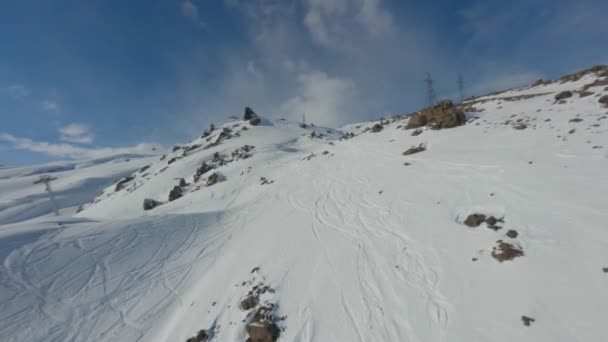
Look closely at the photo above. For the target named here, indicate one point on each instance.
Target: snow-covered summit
(489, 231)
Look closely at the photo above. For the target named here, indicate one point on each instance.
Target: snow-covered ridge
(490, 231)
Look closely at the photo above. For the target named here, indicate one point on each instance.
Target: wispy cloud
(323, 99)
(17, 91)
(50, 106)
(329, 21)
(190, 11)
(76, 133)
(75, 152)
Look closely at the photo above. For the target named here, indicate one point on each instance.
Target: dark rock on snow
(415, 149)
(506, 251)
(202, 336)
(563, 95)
(474, 220)
(175, 193)
(249, 114)
(377, 128)
(512, 234)
(213, 179)
(123, 183)
(527, 320)
(443, 115)
(150, 204)
(248, 302)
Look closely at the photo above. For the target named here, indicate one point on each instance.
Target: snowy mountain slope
(358, 243)
(75, 184)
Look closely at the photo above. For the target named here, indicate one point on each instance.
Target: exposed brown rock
(600, 70)
(262, 327)
(505, 251)
(474, 220)
(585, 93)
(575, 120)
(443, 115)
(248, 302)
(604, 100)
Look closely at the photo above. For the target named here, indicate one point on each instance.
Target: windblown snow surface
(359, 243)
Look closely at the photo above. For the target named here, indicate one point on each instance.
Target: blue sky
(82, 79)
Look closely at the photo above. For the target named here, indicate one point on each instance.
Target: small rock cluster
(476, 219)
(443, 115)
(505, 251)
(262, 323)
(123, 183)
(415, 149)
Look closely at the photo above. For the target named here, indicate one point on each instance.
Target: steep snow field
(359, 243)
(76, 183)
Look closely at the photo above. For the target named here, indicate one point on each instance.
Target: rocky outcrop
(252, 117)
(604, 100)
(563, 95)
(150, 204)
(377, 128)
(443, 115)
(415, 149)
(175, 193)
(505, 251)
(202, 336)
(123, 183)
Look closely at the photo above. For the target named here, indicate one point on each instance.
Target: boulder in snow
(443, 115)
(415, 149)
(505, 251)
(563, 95)
(175, 193)
(150, 204)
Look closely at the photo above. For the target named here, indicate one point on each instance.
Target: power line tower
(430, 90)
(461, 87)
(47, 182)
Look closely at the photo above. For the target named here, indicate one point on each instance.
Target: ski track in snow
(340, 204)
(357, 246)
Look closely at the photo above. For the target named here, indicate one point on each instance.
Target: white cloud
(330, 21)
(76, 133)
(190, 11)
(75, 152)
(50, 106)
(324, 100)
(18, 91)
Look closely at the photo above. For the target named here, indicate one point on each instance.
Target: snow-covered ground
(357, 241)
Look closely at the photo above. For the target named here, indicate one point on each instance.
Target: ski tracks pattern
(383, 253)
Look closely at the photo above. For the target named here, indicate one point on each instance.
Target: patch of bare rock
(443, 115)
(476, 219)
(527, 320)
(563, 95)
(414, 149)
(504, 251)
